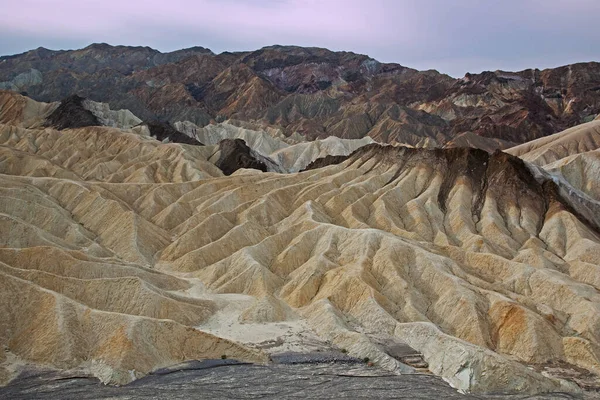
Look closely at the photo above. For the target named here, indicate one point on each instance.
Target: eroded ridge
(120, 247)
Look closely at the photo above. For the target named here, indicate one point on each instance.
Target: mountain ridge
(315, 92)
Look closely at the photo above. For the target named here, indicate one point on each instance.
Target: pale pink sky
(452, 36)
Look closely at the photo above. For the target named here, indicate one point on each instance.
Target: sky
(451, 36)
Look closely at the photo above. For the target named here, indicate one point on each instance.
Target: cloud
(452, 36)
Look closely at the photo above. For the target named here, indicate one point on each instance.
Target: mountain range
(315, 93)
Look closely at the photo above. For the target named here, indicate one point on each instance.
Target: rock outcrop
(123, 119)
(71, 113)
(580, 139)
(164, 132)
(19, 110)
(234, 154)
(571, 158)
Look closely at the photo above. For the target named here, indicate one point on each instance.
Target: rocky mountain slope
(126, 254)
(315, 93)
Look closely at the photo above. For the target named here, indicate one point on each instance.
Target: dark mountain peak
(194, 50)
(39, 53)
(236, 154)
(278, 56)
(71, 114)
(99, 46)
(491, 77)
(310, 51)
(117, 50)
(163, 130)
(579, 66)
(43, 51)
(106, 47)
(290, 48)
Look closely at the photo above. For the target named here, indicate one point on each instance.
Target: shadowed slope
(72, 114)
(165, 132)
(235, 154)
(571, 156)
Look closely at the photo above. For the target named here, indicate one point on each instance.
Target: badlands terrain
(130, 244)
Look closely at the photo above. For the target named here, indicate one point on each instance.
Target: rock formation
(72, 114)
(288, 154)
(235, 154)
(315, 93)
(578, 140)
(126, 254)
(123, 119)
(18, 110)
(572, 156)
(163, 131)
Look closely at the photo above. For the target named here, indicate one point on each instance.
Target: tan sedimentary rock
(572, 155)
(123, 119)
(22, 111)
(290, 157)
(267, 309)
(50, 328)
(462, 255)
(571, 142)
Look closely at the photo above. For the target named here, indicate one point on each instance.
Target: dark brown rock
(71, 114)
(163, 130)
(325, 161)
(235, 154)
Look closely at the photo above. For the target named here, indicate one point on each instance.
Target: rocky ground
(306, 377)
